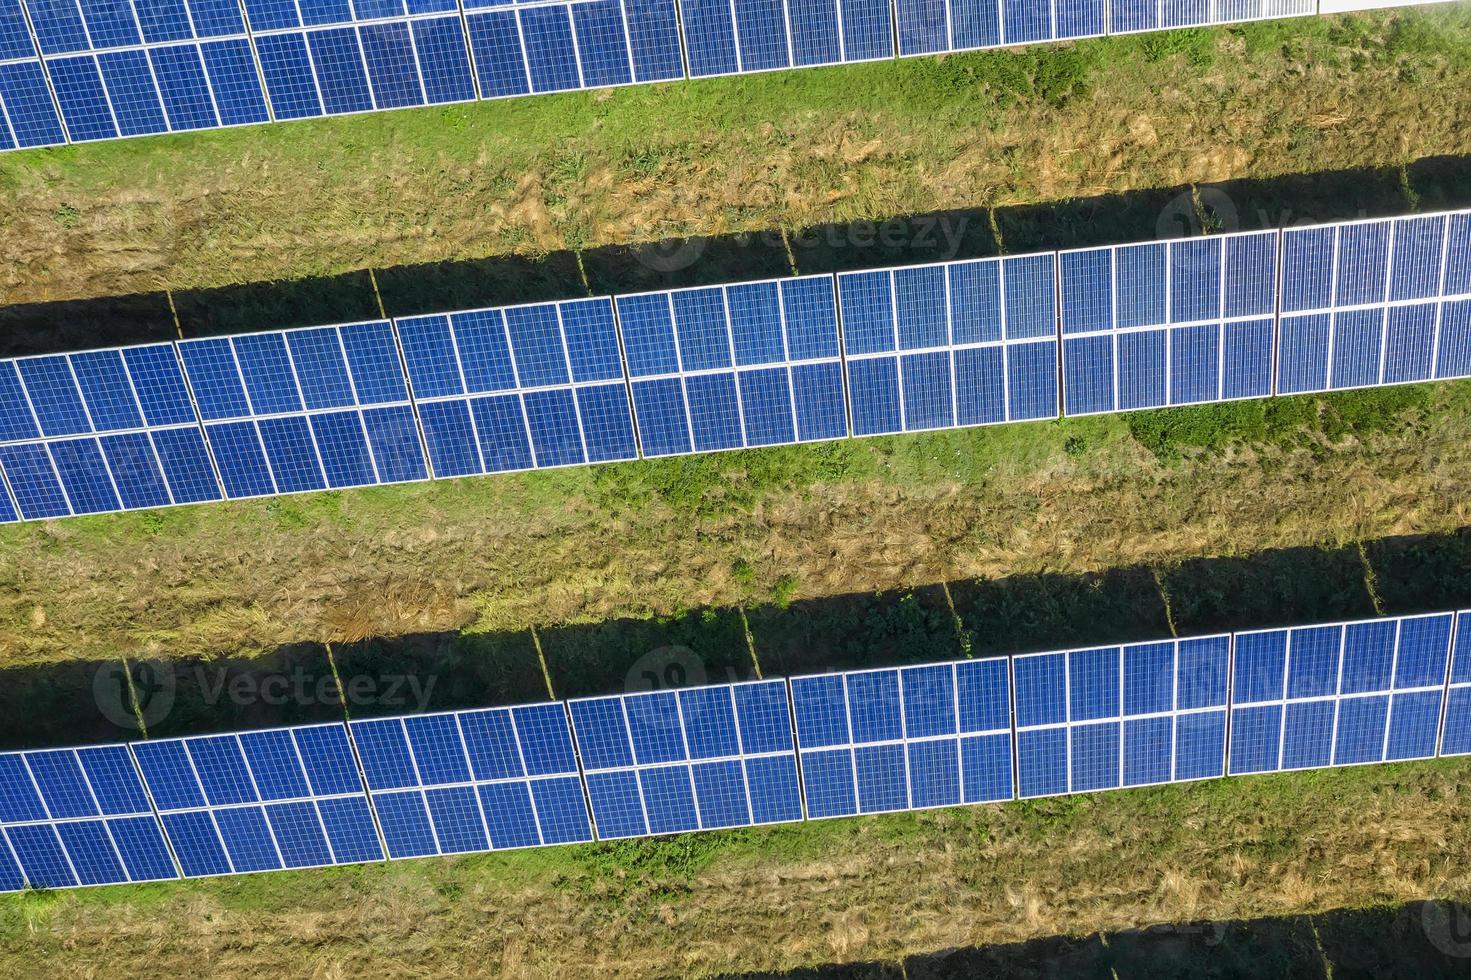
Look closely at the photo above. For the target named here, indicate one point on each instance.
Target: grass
(787, 150)
(779, 898)
(1044, 531)
(655, 538)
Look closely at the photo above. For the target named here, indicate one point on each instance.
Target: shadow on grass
(82, 702)
(1418, 939)
(1435, 183)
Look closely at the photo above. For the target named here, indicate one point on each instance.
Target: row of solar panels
(810, 358)
(73, 71)
(736, 755)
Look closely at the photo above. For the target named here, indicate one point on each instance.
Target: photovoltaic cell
(123, 433)
(728, 367)
(940, 346)
(1168, 323)
(260, 801)
(698, 758)
(458, 782)
(75, 817)
(1121, 716)
(1375, 303)
(519, 388)
(734, 366)
(306, 409)
(1338, 695)
(904, 738)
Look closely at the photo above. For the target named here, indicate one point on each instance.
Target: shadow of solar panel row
(74, 71)
(739, 755)
(775, 362)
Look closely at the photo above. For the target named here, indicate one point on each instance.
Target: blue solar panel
(700, 758)
(904, 738)
(259, 801)
(940, 346)
(1339, 695)
(497, 779)
(163, 66)
(1168, 323)
(1374, 303)
(519, 388)
(759, 35)
(1455, 738)
(73, 817)
(744, 365)
(729, 367)
(251, 391)
(1121, 716)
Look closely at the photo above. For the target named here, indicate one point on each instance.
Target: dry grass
(779, 898)
(781, 151)
(503, 554)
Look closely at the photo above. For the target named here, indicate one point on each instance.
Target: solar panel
(699, 758)
(744, 36)
(308, 409)
(126, 70)
(1134, 16)
(1168, 323)
(107, 70)
(904, 738)
(522, 49)
(1130, 715)
(457, 782)
(940, 346)
(260, 801)
(1370, 303)
(100, 431)
(1455, 738)
(28, 114)
(519, 388)
(727, 367)
(1336, 695)
(75, 817)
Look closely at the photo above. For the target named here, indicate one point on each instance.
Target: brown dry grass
(587, 546)
(783, 151)
(775, 899)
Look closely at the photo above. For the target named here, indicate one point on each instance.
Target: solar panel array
(701, 758)
(452, 783)
(1168, 323)
(739, 755)
(260, 801)
(1375, 303)
(74, 71)
(776, 362)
